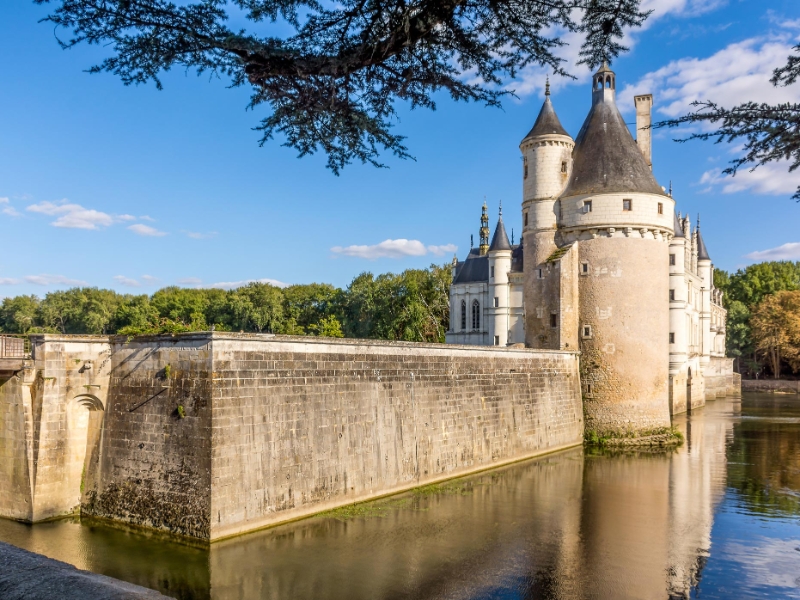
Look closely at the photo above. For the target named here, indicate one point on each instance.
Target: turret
(705, 273)
(678, 332)
(499, 268)
(621, 222)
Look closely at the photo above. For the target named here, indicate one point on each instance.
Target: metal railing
(12, 346)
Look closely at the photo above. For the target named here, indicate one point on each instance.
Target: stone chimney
(644, 106)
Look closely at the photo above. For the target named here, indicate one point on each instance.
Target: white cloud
(8, 281)
(772, 179)
(126, 218)
(738, 73)
(442, 250)
(126, 281)
(790, 251)
(146, 230)
(190, 281)
(72, 216)
(52, 280)
(393, 249)
(147, 218)
(680, 8)
(8, 209)
(229, 285)
(196, 235)
(149, 279)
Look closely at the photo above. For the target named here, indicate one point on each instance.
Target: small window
(588, 389)
(492, 272)
(497, 340)
(463, 315)
(627, 205)
(553, 320)
(526, 172)
(584, 268)
(672, 260)
(526, 219)
(564, 166)
(587, 206)
(496, 302)
(539, 274)
(587, 331)
(661, 208)
(671, 338)
(476, 314)
(672, 295)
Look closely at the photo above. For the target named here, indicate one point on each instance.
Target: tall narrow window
(496, 302)
(526, 171)
(539, 274)
(492, 272)
(672, 260)
(627, 205)
(564, 166)
(671, 338)
(584, 268)
(672, 295)
(463, 315)
(553, 320)
(476, 315)
(526, 219)
(661, 208)
(497, 340)
(587, 206)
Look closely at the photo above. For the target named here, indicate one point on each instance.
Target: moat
(718, 517)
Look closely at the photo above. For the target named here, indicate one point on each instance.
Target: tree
(257, 307)
(776, 330)
(332, 81)
(766, 132)
(18, 315)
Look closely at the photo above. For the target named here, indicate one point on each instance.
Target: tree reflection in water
(715, 518)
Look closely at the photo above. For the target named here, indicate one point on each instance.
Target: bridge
(14, 351)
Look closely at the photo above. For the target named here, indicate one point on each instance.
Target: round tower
(706, 273)
(499, 290)
(547, 165)
(622, 221)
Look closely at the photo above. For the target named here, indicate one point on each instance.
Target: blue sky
(133, 188)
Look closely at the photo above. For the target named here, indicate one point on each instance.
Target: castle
(604, 266)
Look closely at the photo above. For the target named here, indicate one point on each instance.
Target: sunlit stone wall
(304, 424)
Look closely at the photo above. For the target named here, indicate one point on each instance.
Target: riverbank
(28, 576)
(775, 386)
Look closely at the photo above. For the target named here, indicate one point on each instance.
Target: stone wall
(155, 460)
(16, 501)
(301, 424)
(719, 379)
(780, 386)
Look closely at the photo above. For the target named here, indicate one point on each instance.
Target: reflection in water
(716, 518)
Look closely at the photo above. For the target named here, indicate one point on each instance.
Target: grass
(671, 434)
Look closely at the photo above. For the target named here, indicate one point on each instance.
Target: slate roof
(500, 237)
(676, 225)
(547, 122)
(606, 158)
(702, 251)
(474, 269)
(517, 258)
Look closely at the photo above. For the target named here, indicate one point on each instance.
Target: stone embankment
(779, 386)
(28, 576)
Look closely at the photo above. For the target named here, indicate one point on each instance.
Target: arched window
(476, 315)
(463, 315)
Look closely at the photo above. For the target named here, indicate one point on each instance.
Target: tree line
(763, 329)
(410, 306)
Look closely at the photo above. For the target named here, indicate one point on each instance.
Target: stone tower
(621, 221)
(547, 165)
(499, 315)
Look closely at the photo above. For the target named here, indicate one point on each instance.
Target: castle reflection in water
(570, 525)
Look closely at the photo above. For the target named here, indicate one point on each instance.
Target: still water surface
(717, 518)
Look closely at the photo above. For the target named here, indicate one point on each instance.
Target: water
(717, 518)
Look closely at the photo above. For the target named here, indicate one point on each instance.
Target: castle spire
(484, 231)
(547, 86)
(547, 122)
(500, 237)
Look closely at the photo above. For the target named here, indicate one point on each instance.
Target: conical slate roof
(677, 227)
(702, 251)
(547, 122)
(606, 158)
(500, 238)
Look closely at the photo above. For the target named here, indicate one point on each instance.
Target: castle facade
(606, 266)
